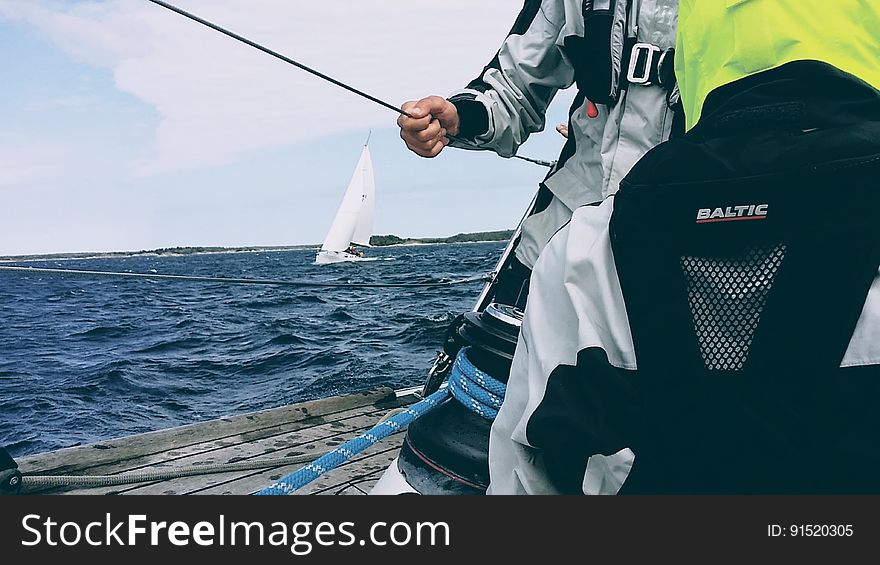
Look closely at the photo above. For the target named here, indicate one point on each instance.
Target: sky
(127, 127)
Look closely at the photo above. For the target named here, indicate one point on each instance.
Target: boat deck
(289, 431)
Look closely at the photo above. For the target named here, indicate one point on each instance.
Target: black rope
(278, 55)
(536, 161)
(229, 280)
(319, 74)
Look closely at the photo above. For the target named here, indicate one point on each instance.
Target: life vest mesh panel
(727, 296)
(740, 324)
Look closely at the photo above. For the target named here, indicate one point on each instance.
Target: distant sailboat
(353, 223)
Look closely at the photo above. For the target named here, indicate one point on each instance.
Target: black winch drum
(446, 451)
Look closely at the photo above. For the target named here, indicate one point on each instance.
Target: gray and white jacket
(669, 348)
(544, 54)
(576, 305)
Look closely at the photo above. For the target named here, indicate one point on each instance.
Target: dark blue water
(85, 359)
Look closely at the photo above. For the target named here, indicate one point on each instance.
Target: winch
(446, 450)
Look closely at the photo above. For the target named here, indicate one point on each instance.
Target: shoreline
(131, 254)
(153, 253)
(420, 243)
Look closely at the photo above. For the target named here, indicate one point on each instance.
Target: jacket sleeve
(507, 102)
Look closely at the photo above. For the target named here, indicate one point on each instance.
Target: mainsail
(354, 218)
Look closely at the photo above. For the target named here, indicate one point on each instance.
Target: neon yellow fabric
(721, 41)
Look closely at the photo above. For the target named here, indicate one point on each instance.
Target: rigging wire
(277, 55)
(230, 280)
(541, 162)
(318, 74)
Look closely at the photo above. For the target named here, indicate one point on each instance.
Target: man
(670, 347)
(618, 53)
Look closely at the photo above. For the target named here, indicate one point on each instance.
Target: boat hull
(329, 257)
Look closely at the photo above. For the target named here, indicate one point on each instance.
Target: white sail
(364, 228)
(354, 218)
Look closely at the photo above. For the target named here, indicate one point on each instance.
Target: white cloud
(25, 162)
(218, 99)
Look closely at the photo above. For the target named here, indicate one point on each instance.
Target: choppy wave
(84, 360)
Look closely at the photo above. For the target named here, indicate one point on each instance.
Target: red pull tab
(592, 110)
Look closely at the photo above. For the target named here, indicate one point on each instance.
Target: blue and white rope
(331, 460)
(474, 388)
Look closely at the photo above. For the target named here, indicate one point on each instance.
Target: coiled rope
(229, 280)
(469, 385)
(479, 391)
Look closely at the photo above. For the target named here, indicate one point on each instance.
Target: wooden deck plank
(373, 460)
(369, 468)
(315, 426)
(72, 459)
(316, 440)
(362, 487)
(179, 457)
(299, 441)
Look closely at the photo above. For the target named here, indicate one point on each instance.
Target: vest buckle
(641, 63)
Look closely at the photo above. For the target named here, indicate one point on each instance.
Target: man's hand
(432, 118)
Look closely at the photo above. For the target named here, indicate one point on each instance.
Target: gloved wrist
(473, 117)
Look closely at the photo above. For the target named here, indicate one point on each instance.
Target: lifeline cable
(230, 280)
(318, 74)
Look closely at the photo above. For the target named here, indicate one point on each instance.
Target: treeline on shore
(160, 251)
(383, 240)
(376, 241)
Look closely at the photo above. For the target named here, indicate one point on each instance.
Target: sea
(85, 359)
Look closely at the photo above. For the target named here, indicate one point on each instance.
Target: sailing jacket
(744, 37)
(553, 45)
(714, 327)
